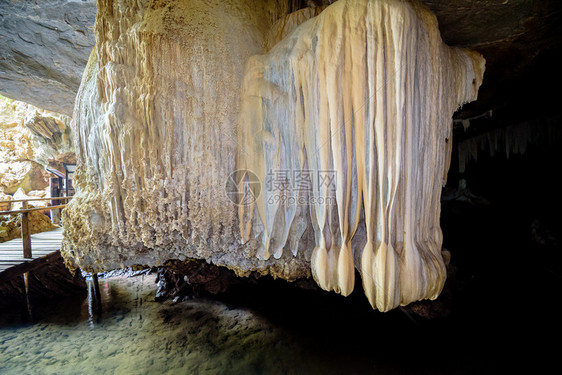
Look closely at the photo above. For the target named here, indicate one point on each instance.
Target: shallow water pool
(136, 335)
(261, 329)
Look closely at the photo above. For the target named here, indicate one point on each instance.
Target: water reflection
(94, 305)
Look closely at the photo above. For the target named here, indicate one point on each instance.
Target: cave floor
(265, 328)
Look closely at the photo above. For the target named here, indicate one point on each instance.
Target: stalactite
(365, 90)
(353, 103)
(511, 140)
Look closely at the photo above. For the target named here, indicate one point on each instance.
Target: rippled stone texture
(45, 46)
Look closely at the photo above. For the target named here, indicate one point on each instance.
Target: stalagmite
(343, 114)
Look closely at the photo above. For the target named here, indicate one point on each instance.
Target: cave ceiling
(45, 46)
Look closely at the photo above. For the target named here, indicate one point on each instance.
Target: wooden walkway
(42, 244)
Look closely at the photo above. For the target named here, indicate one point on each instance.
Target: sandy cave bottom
(272, 329)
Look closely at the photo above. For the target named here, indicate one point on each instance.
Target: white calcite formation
(354, 101)
(155, 130)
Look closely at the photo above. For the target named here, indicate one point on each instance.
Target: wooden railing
(24, 211)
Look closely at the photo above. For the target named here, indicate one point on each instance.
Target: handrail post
(55, 213)
(25, 237)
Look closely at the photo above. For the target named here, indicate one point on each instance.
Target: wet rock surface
(181, 280)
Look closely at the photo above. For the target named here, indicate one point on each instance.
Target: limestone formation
(27, 175)
(29, 139)
(178, 95)
(155, 129)
(6, 206)
(366, 91)
(52, 135)
(20, 195)
(10, 226)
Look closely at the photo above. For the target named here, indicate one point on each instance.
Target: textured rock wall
(30, 139)
(45, 46)
(156, 135)
(176, 96)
